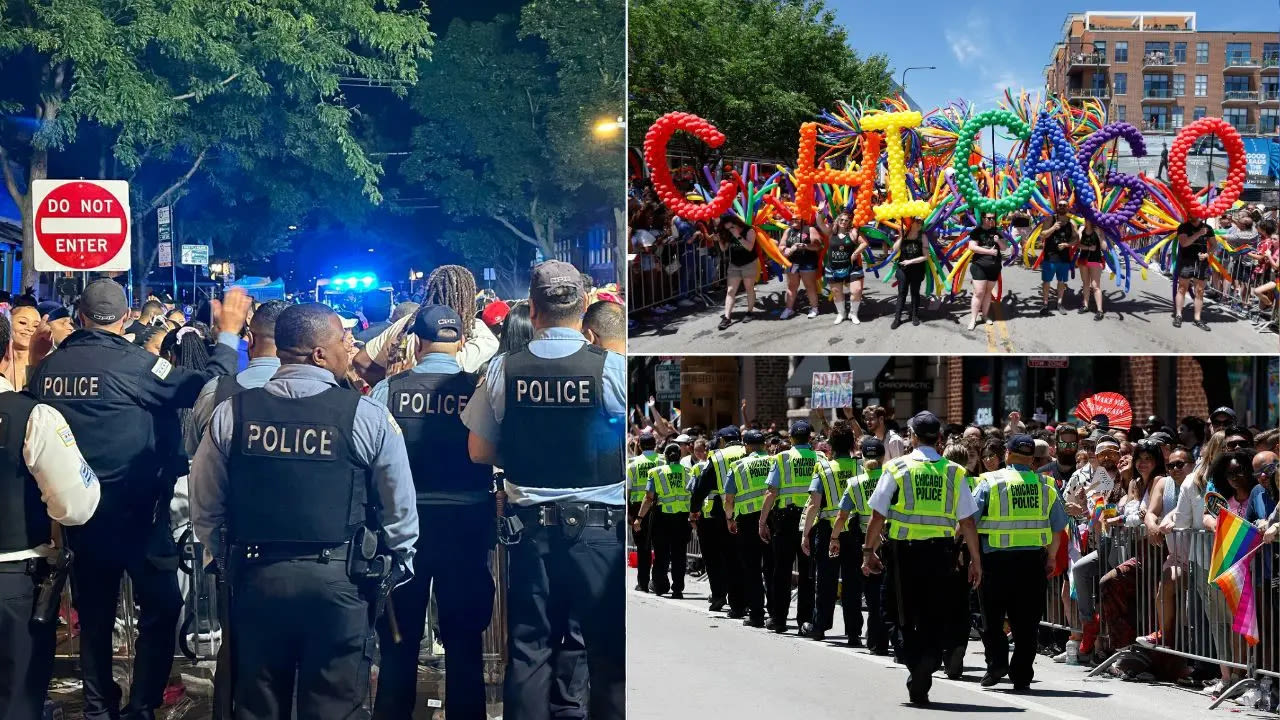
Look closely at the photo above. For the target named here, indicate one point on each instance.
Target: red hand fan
(1113, 405)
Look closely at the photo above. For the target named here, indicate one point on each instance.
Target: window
(1176, 117)
(1180, 53)
(1156, 118)
(1202, 86)
(1268, 120)
(1179, 85)
(1235, 83)
(1237, 117)
(1122, 113)
(1100, 49)
(1156, 53)
(1270, 88)
(1202, 53)
(1122, 51)
(1122, 83)
(1270, 53)
(1198, 113)
(1156, 86)
(1238, 53)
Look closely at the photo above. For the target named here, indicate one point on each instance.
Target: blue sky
(982, 46)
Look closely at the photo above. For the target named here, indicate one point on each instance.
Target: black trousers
(453, 555)
(26, 648)
(829, 572)
(914, 572)
(751, 555)
(300, 626)
(558, 568)
(785, 545)
(115, 542)
(1013, 587)
(720, 559)
(910, 278)
(670, 550)
(644, 542)
(570, 687)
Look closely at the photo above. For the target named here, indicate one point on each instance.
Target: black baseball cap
(556, 282)
(801, 427)
(925, 425)
(728, 433)
(1224, 410)
(1021, 444)
(753, 437)
(872, 448)
(1161, 438)
(438, 323)
(103, 302)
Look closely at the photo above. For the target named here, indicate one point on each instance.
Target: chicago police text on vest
(1025, 496)
(928, 487)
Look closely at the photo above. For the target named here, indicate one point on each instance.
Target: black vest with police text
(24, 519)
(554, 431)
(293, 473)
(225, 388)
(428, 407)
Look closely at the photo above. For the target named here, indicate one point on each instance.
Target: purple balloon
(1137, 189)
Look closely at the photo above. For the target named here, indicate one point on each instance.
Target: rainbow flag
(1237, 585)
(1234, 540)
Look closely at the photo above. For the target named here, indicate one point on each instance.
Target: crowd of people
(337, 474)
(831, 262)
(962, 527)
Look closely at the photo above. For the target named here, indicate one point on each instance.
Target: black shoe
(806, 629)
(919, 699)
(1099, 315)
(736, 614)
(1044, 311)
(882, 652)
(1021, 687)
(653, 588)
(897, 323)
(753, 622)
(856, 642)
(915, 321)
(775, 626)
(724, 322)
(748, 317)
(716, 605)
(953, 663)
(1202, 325)
(1084, 309)
(642, 588)
(1177, 321)
(677, 595)
(818, 635)
(980, 321)
(991, 678)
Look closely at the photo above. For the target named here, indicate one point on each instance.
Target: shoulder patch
(67, 437)
(87, 475)
(395, 426)
(162, 368)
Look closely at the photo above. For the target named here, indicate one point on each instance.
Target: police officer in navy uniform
(553, 416)
(43, 478)
(111, 393)
(457, 522)
(299, 474)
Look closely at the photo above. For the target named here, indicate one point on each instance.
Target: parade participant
(987, 245)
(46, 479)
(922, 497)
(638, 469)
(788, 485)
(667, 487)
(1059, 239)
(855, 504)
(572, 503)
(112, 393)
(912, 256)
(1192, 266)
(801, 244)
(605, 326)
(744, 492)
(827, 487)
(842, 267)
(456, 526)
(875, 421)
(724, 571)
(339, 470)
(739, 242)
(151, 310)
(1091, 269)
(1019, 516)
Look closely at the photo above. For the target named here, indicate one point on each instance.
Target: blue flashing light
(367, 280)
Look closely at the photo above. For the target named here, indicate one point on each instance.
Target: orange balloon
(808, 176)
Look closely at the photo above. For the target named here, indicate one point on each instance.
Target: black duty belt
(576, 514)
(275, 552)
(25, 566)
(948, 541)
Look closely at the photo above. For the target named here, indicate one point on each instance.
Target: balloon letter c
(655, 156)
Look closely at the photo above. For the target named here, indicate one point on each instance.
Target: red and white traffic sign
(81, 224)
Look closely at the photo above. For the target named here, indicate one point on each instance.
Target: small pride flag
(1233, 543)
(1237, 586)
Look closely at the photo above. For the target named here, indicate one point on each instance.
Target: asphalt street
(684, 661)
(1139, 322)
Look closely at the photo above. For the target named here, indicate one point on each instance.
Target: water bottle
(1264, 695)
(1073, 652)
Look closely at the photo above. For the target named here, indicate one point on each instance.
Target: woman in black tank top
(912, 258)
(801, 244)
(1091, 267)
(842, 265)
(738, 244)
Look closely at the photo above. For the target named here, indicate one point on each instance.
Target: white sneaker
(813, 313)
(787, 313)
(839, 318)
(1215, 688)
(853, 312)
(973, 322)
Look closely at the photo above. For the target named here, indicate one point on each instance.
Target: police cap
(872, 448)
(103, 302)
(728, 433)
(753, 437)
(438, 323)
(1021, 444)
(801, 427)
(925, 425)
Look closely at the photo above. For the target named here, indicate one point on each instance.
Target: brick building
(1158, 71)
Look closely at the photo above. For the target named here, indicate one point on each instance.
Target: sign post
(195, 255)
(81, 225)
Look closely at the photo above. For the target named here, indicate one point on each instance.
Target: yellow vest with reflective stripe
(723, 461)
(1017, 512)
(835, 474)
(638, 473)
(696, 472)
(795, 472)
(671, 484)
(749, 475)
(859, 489)
(925, 506)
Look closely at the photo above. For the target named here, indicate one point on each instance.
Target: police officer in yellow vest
(1019, 520)
(667, 487)
(743, 498)
(844, 544)
(724, 572)
(825, 491)
(788, 489)
(637, 477)
(922, 496)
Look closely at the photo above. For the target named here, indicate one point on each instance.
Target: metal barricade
(679, 272)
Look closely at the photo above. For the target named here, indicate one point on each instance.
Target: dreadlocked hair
(187, 347)
(451, 285)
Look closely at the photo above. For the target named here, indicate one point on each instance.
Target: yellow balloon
(901, 205)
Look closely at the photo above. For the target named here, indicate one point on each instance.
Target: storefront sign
(666, 379)
(1060, 362)
(891, 385)
(832, 390)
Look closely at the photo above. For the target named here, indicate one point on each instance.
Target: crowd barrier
(1236, 298)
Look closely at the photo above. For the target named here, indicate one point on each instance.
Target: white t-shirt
(475, 351)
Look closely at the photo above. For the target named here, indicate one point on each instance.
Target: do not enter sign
(81, 224)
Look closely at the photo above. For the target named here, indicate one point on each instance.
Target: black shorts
(983, 271)
(1194, 271)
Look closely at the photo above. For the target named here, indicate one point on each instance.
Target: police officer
(638, 469)
(922, 496)
(855, 503)
(826, 489)
(1019, 516)
(788, 484)
(112, 393)
(311, 484)
(43, 478)
(744, 492)
(714, 538)
(724, 570)
(667, 487)
(571, 501)
(457, 521)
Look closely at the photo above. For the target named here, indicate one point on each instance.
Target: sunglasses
(1237, 444)
(989, 217)
(1267, 470)
(1177, 464)
(1062, 444)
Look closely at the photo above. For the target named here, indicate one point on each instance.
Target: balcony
(1235, 97)
(1088, 93)
(1158, 95)
(1158, 126)
(1270, 96)
(1245, 128)
(1084, 61)
(1270, 64)
(1240, 64)
(1161, 60)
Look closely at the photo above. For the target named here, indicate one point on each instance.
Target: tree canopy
(757, 70)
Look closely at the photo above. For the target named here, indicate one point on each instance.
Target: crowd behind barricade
(166, 438)
(1127, 589)
(680, 264)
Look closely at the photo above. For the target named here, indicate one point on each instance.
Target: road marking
(1015, 700)
(1003, 328)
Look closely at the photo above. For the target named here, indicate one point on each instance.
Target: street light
(903, 84)
(607, 128)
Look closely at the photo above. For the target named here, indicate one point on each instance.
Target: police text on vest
(429, 403)
(554, 392)
(71, 387)
(928, 488)
(312, 442)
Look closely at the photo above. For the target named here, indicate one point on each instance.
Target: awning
(865, 369)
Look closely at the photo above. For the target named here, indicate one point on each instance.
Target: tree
(757, 70)
(176, 90)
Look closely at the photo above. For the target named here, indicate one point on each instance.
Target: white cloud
(962, 47)
(1005, 81)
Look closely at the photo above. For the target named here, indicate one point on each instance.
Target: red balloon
(1234, 184)
(655, 156)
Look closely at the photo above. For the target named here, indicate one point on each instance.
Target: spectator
(605, 325)
(376, 308)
